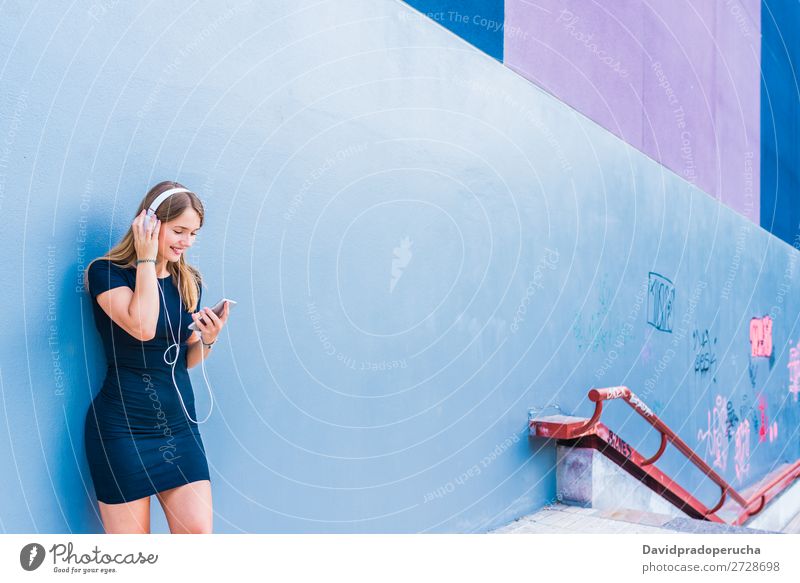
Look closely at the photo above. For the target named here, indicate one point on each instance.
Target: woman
(141, 430)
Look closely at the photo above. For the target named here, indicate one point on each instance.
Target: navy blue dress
(138, 439)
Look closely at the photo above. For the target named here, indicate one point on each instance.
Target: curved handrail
(598, 396)
(661, 448)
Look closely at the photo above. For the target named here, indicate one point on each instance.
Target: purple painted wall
(677, 80)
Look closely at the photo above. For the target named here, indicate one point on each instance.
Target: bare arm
(135, 311)
(193, 352)
(143, 307)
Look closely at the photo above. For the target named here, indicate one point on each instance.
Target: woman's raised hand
(145, 240)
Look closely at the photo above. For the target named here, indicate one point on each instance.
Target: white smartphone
(217, 309)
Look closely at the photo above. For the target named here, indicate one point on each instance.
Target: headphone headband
(162, 197)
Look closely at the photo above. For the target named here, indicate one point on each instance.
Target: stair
(771, 504)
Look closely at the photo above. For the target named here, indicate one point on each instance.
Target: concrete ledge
(563, 519)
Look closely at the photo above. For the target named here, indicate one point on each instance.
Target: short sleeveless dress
(138, 439)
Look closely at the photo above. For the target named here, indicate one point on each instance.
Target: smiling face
(177, 235)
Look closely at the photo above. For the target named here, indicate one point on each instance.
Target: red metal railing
(761, 496)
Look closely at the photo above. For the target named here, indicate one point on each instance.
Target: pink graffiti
(794, 370)
(761, 336)
(766, 429)
(741, 455)
(715, 436)
(762, 429)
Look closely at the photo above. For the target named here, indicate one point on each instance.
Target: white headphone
(151, 212)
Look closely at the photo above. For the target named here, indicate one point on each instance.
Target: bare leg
(188, 508)
(126, 518)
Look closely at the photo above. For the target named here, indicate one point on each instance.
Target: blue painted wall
(480, 22)
(780, 119)
(423, 246)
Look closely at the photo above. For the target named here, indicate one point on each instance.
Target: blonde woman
(141, 431)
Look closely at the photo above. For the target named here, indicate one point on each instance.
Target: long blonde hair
(124, 252)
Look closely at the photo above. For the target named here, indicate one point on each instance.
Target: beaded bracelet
(138, 261)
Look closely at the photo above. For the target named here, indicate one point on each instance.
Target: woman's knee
(193, 526)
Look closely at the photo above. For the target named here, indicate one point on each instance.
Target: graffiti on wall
(752, 371)
(761, 337)
(731, 420)
(725, 426)
(705, 356)
(766, 430)
(741, 455)
(660, 299)
(794, 369)
(592, 333)
(715, 436)
(747, 411)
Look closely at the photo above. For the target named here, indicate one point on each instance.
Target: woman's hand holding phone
(209, 324)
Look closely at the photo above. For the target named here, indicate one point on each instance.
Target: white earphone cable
(174, 361)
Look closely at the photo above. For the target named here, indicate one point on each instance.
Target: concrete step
(565, 519)
(586, 477)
